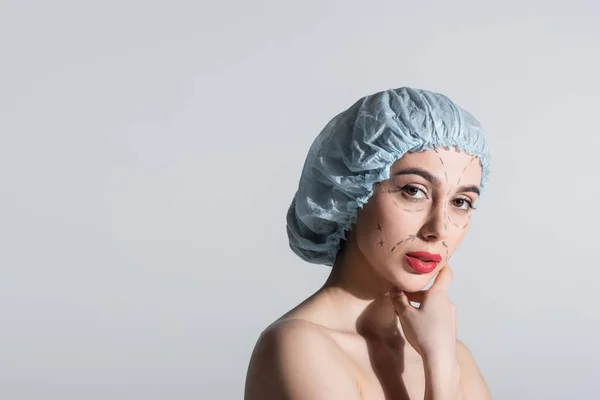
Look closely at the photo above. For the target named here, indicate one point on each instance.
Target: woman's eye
(413, 192)
(463, 203)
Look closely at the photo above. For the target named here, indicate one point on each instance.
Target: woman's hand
(431, 328)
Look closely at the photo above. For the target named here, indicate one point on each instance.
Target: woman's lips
(422, 261)
(425, 256)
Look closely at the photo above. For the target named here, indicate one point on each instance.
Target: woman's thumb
(399, 300)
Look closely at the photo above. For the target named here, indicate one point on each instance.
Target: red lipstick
(422, 261)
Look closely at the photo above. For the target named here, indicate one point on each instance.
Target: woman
(385, 197)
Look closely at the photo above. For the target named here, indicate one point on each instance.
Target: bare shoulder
(471, 380)
(296, 359)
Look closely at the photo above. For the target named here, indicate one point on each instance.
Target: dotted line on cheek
(409, 239)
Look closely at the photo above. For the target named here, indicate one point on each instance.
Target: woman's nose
(436, 224)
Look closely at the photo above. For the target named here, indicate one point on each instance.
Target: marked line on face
(381, 242)
(397, 244)
(446, 246)
(378, 227)
(445, 219)
(473, 158)
(409, 239)
(468, 220)
(442, 162)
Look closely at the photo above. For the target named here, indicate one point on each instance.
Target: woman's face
(415, 220)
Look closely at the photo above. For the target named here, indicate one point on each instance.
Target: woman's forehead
(443, 162)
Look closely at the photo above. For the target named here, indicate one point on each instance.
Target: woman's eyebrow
(422, 173)
(471, 188)
(434, 180)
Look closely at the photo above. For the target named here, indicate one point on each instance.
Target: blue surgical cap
(356, 149)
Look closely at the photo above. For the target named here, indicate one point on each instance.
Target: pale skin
(359, 337)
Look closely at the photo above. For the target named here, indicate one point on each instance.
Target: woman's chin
(411, 282)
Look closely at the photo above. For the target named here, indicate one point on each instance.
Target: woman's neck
(360, 296)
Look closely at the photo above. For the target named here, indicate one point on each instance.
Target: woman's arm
(294, 360)
(442, 378)
(472, 384)
(455, 380)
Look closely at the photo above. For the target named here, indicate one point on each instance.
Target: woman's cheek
(450, 247)
(396, 234)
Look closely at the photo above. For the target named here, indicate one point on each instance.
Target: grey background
(149, 151)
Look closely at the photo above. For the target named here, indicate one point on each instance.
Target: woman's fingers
(416, 297)
(431, 327)
(441, 284)
(442, 280)
(400, 300)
